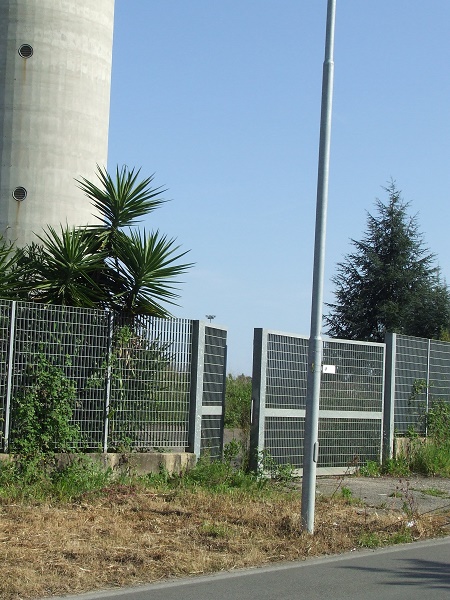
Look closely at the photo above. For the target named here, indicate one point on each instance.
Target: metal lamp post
(311, 445)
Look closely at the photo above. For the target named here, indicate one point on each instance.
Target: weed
(79, 476)
(435, 492)
(409, 506)
(369, 540)
(437, 421)
(404, 536)
(42, 411)
(215, 530)
(370, 469)
(397, 467)
(269, 467)
(347, 494)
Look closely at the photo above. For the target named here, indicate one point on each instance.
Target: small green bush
(238, 401)
(42, 411)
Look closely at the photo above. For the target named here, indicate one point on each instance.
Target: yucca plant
(148, 266)
(66, 269)
(11, 283)
(107, 265)
(120, 202)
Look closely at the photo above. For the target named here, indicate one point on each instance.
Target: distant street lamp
(210, 317)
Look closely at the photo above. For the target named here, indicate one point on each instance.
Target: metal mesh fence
(150, 379)
(211, 437)
(287, 360)
(422, 376)
(213, 398)
(351, 400)
(356, 379)
(73, 339)
(284, 437)
(439, 373)
(348, 442)
(213, 373)
(133, 382)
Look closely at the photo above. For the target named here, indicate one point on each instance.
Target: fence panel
(150, 384)
(133, 383)
(213, 399)
(75, 340)
(207, 389)
(420, 375)
(351, 400)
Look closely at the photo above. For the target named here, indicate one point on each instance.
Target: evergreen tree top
(390, 282)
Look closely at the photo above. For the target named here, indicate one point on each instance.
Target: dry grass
(132, 535)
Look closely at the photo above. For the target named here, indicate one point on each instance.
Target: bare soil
(132, 536)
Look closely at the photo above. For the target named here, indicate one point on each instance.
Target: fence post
(12, 332)
(196, 388)
(389, 396)
(258, 397)
(108, 383)
(427, 389)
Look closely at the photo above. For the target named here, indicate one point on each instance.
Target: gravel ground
(421, 494)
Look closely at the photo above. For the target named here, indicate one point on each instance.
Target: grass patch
(87, 530)
(435, 492)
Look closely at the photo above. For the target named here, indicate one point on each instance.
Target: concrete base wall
(132, 463)
(403, 445)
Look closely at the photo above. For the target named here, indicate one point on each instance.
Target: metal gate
(351, 401)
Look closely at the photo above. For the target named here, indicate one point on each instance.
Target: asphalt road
(418, 571)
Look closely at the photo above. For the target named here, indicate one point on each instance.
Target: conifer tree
(390, 283)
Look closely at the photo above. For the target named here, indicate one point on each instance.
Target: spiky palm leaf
(120, 202)
(11, 287)
(67, 269)
(148, 266)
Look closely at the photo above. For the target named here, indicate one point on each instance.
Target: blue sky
(221, 101)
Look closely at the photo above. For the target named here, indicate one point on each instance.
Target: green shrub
(42, 411)
(238, 401)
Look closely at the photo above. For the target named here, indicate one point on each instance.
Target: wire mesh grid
(150, 384)
(284, 439)
(211, 436)
(287, 360)
(354, 383)
(348, 442)
(422, 376)
(356, 380)
(214, 362)
(147, 366)
(439, 371)
(74, 340)
(411, 379)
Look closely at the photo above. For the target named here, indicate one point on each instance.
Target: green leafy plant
(42, 411)
(370, 540)
(437, 421)
(418, 386)
(370, 469)
(269, 467)
(238, 400)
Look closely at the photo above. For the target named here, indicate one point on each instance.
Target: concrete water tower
(55, 76)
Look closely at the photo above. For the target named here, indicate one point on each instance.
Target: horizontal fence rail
(134, 381)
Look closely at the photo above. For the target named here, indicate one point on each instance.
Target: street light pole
(311, 444)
